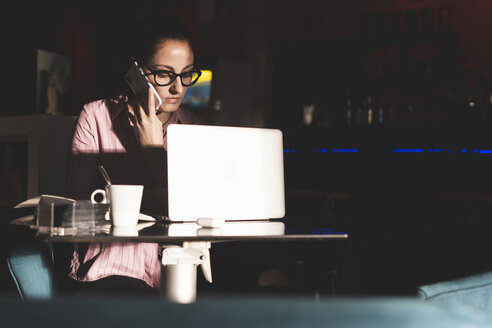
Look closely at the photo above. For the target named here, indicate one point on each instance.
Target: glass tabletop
(166, 232)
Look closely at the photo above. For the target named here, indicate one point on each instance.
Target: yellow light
(205, 77)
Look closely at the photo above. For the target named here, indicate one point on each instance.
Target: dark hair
(151, 30)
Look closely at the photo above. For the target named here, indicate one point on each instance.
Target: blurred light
(205, 77)
(345, 150)
(409, 150)
(324, 231)
(394, 150)
(289, 230)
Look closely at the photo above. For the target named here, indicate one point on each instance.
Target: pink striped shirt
(103, 135)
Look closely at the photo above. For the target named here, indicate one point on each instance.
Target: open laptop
(226, 173)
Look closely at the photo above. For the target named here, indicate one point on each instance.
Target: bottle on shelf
(348, 111)
(379, 110)
(369, 110)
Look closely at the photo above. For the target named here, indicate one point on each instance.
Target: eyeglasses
(165, 77)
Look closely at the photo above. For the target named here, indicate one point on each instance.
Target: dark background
(403, 85)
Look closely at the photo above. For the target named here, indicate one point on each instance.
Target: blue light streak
(409, 150)
(394, 150)
(345, 150)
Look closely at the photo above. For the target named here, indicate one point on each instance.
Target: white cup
(124, 203)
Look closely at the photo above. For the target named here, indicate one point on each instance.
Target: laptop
(224, 172)
(232, 228)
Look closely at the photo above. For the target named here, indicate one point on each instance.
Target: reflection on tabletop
(149, 226)
(126, 231)
(248, 228)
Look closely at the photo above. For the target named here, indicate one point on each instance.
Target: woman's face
(175, 56)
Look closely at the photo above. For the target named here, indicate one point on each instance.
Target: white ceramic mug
(124, 203)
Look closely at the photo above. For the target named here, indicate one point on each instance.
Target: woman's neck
(163, 117)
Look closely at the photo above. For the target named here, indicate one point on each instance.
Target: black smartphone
(140, 84)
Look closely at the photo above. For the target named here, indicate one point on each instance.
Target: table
(185, 246)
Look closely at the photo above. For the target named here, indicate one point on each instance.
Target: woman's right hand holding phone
(146, 124)
(148, 131)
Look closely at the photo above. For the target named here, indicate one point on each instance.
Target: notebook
(224, 172)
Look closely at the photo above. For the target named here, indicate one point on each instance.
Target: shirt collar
(117, 105)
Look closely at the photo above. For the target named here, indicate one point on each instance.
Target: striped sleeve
(82, 157)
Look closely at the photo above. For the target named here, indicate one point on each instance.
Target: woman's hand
(146, 125)
(148, 131)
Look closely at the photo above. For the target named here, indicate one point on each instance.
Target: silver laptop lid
(224, 172)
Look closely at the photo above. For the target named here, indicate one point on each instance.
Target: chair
(473, 291)
(31, 267)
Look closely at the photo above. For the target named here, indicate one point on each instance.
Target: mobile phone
(140, 84)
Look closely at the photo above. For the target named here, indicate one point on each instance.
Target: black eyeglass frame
(174, 75)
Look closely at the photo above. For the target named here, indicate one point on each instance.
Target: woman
(130, 141)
